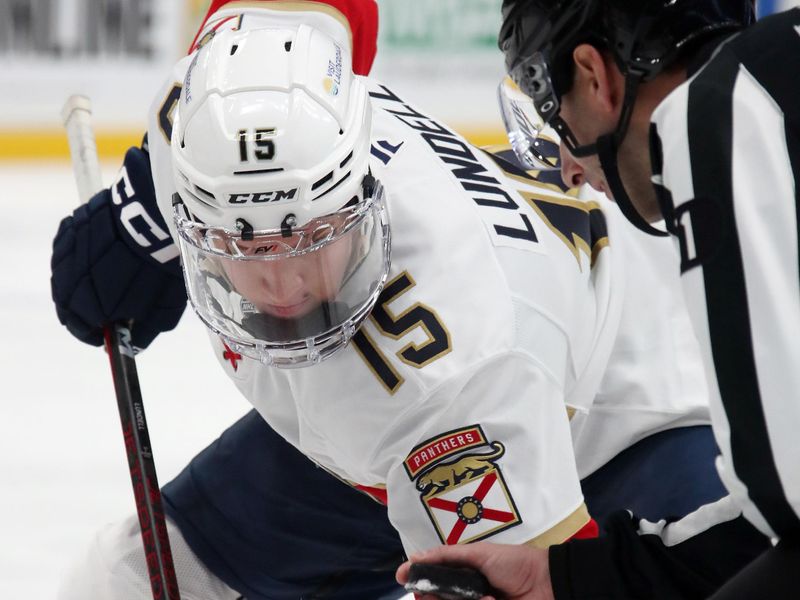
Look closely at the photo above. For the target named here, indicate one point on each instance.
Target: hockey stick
(76, 115)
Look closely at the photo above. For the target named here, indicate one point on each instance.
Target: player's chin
(292, 310)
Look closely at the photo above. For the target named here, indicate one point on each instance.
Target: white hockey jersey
(503, 308)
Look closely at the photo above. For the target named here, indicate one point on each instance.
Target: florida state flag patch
(461, 487)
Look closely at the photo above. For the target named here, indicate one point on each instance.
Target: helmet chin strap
(607, 151)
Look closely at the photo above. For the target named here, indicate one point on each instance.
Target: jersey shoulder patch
(462, 488)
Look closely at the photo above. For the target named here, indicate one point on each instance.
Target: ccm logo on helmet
(260, 197)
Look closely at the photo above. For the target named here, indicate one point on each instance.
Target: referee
(687, 111)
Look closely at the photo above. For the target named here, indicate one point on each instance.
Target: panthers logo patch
(463, 491)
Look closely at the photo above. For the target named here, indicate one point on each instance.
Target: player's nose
(571, 172)
(283, 283)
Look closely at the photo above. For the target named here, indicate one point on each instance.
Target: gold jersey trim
(563, 530)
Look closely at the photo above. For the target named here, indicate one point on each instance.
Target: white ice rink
(63, 471)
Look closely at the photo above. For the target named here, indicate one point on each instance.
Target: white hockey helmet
(283, 231)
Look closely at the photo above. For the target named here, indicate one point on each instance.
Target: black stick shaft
(149, 508)
(141, 465)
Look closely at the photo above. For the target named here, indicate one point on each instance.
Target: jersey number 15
(396, 326)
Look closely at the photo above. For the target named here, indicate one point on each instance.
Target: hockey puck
(448, 583)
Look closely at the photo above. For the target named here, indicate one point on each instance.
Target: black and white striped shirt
(729, 145)
(726, 161)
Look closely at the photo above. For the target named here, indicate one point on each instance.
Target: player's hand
(114, 260)
(518, 572)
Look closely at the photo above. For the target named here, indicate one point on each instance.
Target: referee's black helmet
(644, 37)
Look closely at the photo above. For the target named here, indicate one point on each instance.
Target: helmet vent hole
(333, 187)
(322, 181)
(234, 48)
(346, 159)
(341, 131)
(288, 46)
(197, 198)
(204, 192)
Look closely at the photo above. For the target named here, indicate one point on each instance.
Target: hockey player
(282, 176)
(696, 99)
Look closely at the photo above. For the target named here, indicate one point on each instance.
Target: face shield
(292, 296)
(533, 141)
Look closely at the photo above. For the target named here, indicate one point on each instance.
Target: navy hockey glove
(114, 260)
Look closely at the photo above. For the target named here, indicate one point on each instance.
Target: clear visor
(534, 142)
(288, 298)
